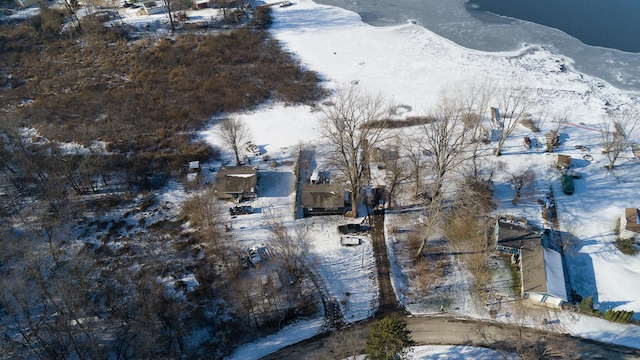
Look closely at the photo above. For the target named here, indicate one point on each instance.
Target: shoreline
(485, 31)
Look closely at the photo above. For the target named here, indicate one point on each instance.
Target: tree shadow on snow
(579, 269)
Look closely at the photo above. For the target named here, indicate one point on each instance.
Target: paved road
(450, 330)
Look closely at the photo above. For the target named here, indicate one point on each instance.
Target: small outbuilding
(200, 4)
(630, 224)
(561, 162)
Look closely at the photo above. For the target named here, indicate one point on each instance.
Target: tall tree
(388, 340)
(450, 142)
(234, 132)
(616, 133)
(513, 104)
(353, 123)
(521, 182)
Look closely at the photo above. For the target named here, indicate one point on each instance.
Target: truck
(240, 210)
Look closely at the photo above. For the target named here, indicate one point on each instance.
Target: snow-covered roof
(554, 274)
(541, 268)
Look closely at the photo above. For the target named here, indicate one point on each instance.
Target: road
(387, 297)
(447, 329)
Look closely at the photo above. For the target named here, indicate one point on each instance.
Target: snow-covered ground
(435, 352)
(411, 66)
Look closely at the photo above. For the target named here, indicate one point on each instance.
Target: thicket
(141, 101)
(146, 98)
(626, 245)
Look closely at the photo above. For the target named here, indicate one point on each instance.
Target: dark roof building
(237, 183)
(323, 199)
(541, 268)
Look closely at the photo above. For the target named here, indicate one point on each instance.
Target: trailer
(567, 184)
(350, 240)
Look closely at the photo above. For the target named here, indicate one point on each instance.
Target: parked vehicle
(253, 149)
(351, 228)
(240, 210)
(254, 255)
(350, 240)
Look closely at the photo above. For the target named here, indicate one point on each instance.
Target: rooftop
(632, 215)
(323, 196)
(541, 268)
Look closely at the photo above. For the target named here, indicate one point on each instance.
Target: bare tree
(475, 102)
(617, 130)
(446, 139)
(416, 163)
(521, 182)
(552, 137)
(234, 132)
(513, 104)
(353, 124)
(396, 171)
(205, 214)
(292, 247)
(451, 140)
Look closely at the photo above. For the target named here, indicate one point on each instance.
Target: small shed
(562, 162)
(194, 166)
(495, 118)
(200, 4)
(630, 224)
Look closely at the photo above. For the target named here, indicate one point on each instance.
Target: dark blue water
(608, 23)
(598, 37)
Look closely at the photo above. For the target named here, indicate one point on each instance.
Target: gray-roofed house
(323, 199)
(237, 183)
(541, 269)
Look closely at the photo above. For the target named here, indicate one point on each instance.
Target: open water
(598, 37)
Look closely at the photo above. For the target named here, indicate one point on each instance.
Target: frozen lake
(465, 23)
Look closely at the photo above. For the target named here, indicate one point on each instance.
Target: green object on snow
(567, 184)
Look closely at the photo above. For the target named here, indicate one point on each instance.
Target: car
(240, 210)
(351, 228)
(244, 261)
(253, 149)
(254, 255)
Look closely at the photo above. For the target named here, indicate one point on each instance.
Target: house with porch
(541, 268)
(237, 183)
